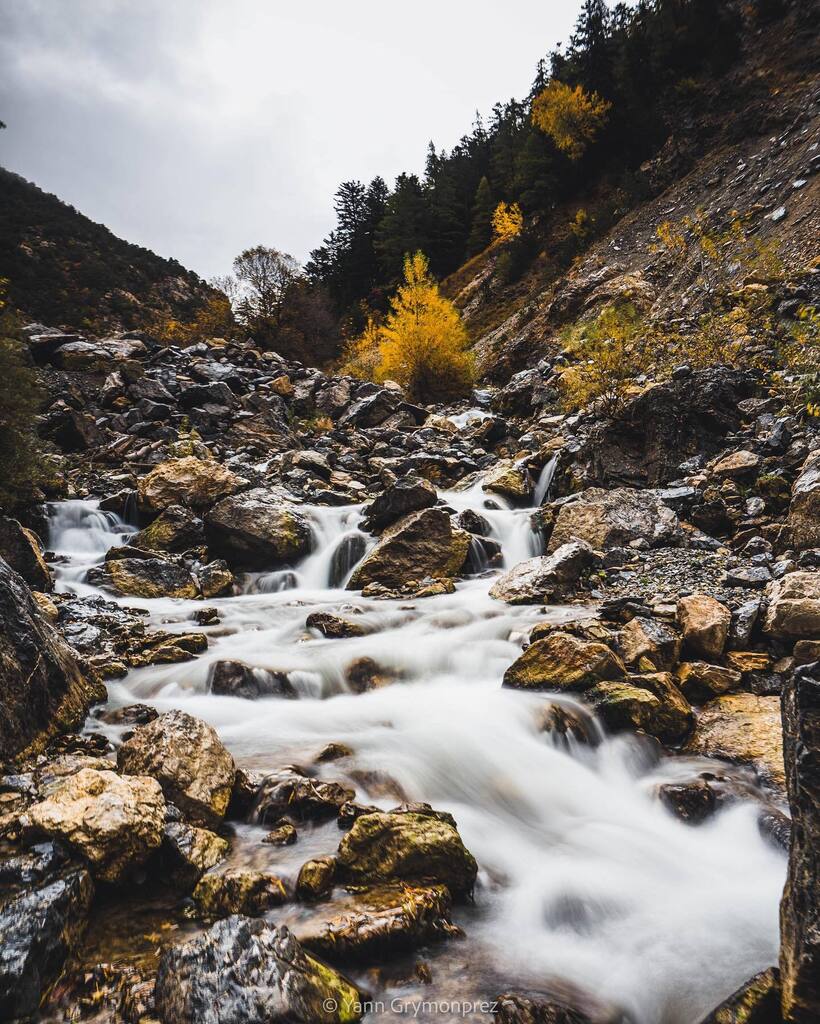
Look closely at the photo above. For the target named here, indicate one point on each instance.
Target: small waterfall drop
(79, 534)
(544, 482)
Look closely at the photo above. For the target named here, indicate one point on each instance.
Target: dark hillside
(64, 269)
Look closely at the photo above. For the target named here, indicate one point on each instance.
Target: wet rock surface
(188, 760)
(244, 970)
(407, 846)
(112, 822)
(420, 545)
(45, 687)
(799, 910)
(38, 930)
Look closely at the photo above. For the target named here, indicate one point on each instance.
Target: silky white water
(584, 877)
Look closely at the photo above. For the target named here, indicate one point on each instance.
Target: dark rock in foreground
(38, 929)
(800, 909)
(756, 1002)
(244, 970)
(43, 688)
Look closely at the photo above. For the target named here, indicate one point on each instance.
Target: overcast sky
(201, 127)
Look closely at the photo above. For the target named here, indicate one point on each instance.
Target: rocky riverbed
(319, 705)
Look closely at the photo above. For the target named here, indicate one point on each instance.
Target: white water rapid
(584, 876)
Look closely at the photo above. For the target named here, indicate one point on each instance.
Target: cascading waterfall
(584, 876)
(79, 534)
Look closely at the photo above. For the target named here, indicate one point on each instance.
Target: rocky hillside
(682, 544)
(64, 269)
(744, 145)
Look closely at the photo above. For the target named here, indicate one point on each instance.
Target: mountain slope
(746, 146)
(65, 269)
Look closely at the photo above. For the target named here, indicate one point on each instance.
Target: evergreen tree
(481, 226)
(404, 227)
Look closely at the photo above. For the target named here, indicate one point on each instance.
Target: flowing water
(583, 875)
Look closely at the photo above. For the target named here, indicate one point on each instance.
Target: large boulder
(246, 970)
(650, 702)
(409, 493)
(649, 643)
(195, 483)
(144, 577)
(43, 688)
(544, 578)
(420, 545)
(187, 758)
(175, 529)
(372, 409)
(508, 478)
(562, 661)
(794, 607)
(258, 529)
(114, 823)
(744, 729)
(21, 549)
(407, 846)
(803, 521)
(188, 852)
(38, 929)
(699, 681)
(704, 623)
(236, 679)
(800, 908)
(616, 519)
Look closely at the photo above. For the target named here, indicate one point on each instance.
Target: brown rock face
(419, 545)
(563, 662)
(744, 729)
(800, 908)
(43, 688)
(194, 483)
(705, 625)
(188, 760)
(111, 821)
(220, 894)
(650, 702)
(794, 607)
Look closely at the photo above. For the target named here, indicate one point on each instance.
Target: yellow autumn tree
(572, 117)
(508, 221)
(422, 344)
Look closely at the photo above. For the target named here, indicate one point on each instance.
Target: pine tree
(481, 227)
(404, 227)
